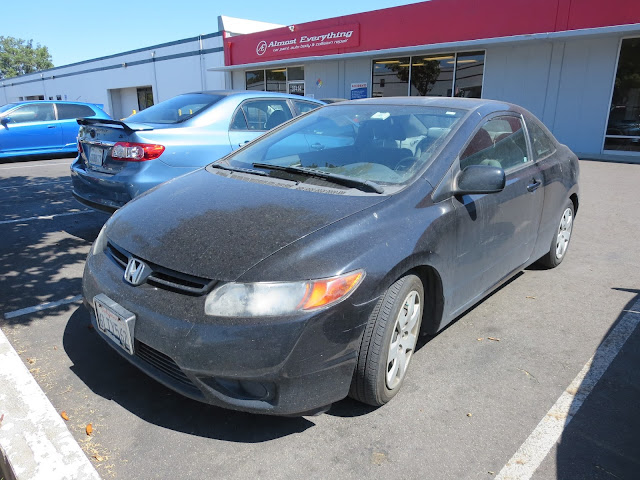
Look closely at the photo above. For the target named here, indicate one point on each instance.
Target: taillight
(136, 152)
(80, 147)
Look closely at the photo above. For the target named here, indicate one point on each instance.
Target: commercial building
(573, 63)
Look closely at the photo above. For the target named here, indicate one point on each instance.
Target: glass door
(296, 88)
(623, 128)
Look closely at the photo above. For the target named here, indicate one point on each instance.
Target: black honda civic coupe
(303, 267)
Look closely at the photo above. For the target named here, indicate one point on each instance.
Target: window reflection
(390, 77)
(623, 128)
(432, 75)
(469, 71)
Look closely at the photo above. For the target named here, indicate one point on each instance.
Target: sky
(81, 30)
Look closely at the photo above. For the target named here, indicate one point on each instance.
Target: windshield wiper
(238, 169)
(364, 185)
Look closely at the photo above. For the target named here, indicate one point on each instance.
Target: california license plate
(115, 322)
(95, 156)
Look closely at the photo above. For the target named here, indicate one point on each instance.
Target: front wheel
(560, 241)
(389, 342)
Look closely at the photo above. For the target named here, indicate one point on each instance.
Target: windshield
(6, 107)
(175, 110)
(385, 144)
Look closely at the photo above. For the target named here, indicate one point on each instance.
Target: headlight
(100, 242)
(268, 299)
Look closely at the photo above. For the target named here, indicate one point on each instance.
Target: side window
(68, 111)
(304, 107)
(239, 122)
(266, 114)
(500, 143)
(36, 112)
(541, 144)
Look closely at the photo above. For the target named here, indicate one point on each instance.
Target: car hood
(217, 226)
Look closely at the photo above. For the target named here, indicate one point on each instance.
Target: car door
(496, 233)
(67, 114)
(254, 117)
(31, 128)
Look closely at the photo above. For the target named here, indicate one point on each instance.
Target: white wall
(567, 84)
(92, 81)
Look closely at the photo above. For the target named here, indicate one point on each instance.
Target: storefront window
(277, 80)
(390, 77)
(623, 129)
(255, 80)
(469, 71)
(432, 75)
(438, 75)
(295, 73)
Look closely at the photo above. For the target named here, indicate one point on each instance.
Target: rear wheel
(560, 241)
(389, 342)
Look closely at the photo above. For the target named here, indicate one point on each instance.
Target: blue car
(39, 127)
(119, 160)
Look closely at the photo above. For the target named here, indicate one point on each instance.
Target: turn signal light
(324, 292)
(136, 152)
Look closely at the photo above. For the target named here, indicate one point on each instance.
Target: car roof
(452, 102)
(27, 102)
(255, 93)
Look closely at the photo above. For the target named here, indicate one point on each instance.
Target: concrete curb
(35, 444)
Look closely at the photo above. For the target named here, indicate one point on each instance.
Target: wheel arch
(433, 292)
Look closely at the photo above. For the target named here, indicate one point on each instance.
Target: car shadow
(600, 439)
(151, 401)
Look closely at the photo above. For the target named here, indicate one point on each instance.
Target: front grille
(163, 277)
(162, 362)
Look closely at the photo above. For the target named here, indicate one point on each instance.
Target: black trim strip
(118, 65)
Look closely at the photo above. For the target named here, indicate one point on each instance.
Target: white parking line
(43, 306)
(44, 217)
(26, 185)
(535, 448)
(36, 165)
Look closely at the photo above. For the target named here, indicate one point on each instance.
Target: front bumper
(279, 366)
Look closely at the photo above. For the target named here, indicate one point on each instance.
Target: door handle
(243, 143)
(317, 146)
(532, 187)
(51, 126)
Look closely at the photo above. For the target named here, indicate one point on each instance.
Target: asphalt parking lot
(475, 396)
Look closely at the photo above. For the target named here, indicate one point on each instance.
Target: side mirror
(476, 179)
(5, 120)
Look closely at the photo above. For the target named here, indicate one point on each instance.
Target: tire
(560, 241)
(379, 374)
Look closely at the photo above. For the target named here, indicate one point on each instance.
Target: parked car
(39, 127)
(287, 275)
(119, 160)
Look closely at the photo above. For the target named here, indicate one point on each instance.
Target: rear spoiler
(128, 128)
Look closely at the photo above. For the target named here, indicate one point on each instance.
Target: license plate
(95, 156)
(115, 322)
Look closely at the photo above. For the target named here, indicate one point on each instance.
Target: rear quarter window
(67, 111)
(541, 144)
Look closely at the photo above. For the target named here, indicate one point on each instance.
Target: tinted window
(36, 112)
(499, 143)
(67, 111)
(177, 109)
(541, 144)
(239, 122)
(304, 107)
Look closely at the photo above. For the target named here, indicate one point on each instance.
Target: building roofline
(456, 45)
